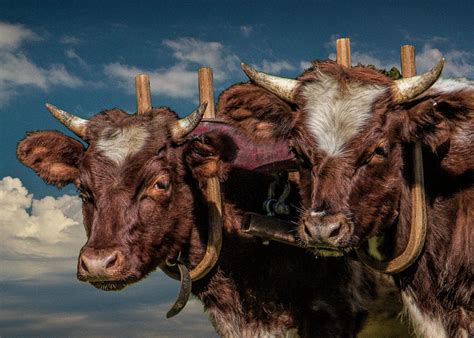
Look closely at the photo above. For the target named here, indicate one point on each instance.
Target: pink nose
(329, 229)
(99, 265)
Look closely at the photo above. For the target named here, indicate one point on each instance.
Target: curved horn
(75, 124)
(406, 89)
(184, 126)
(282, 87)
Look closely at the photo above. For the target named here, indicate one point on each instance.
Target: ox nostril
(110, 261)
(307, 230)
(84, 265)
(331, 231)
(335, 231)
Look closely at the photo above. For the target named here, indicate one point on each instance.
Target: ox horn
(408, 88)
(75, 124)
(184, 126)
(282, 87)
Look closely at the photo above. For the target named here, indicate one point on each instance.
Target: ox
(353, 130)
(141, 179)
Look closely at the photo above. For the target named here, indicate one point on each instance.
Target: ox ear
(257, 113)
(436, 117)
(210, 155)
(52, 155)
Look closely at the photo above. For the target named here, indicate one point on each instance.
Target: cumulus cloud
(35, 229)
(275, 67)
(180, 80)
(19, 70)
(459, 63)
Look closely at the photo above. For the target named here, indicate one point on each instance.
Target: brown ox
(140, 179)
(353, 131)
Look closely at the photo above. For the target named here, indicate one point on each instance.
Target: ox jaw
(110, 285)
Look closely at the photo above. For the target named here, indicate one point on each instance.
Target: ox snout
(100, 265)
(320, 228)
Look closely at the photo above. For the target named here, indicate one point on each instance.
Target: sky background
(82, 56)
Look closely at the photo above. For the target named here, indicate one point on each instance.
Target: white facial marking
(424, 325)
(123, 142)
(334, 115)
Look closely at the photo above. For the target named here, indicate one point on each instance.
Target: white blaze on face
(336, 115)
(122, 142)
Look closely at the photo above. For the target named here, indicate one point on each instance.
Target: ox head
(350, 129)
(136, 179)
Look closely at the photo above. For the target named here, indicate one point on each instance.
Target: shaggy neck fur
(437, 290)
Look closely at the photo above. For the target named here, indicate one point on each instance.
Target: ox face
(135, 184)
(348, 128)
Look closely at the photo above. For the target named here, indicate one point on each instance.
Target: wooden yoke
(212, 189)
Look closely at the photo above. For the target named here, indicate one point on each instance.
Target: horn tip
(245, 67)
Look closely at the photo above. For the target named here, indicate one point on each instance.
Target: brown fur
(369, 183)
(254, 289)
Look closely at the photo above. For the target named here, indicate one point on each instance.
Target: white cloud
(180, 80)
(274, 67)
(69, 40)
(35, 229)
(71, 53)
(12, 35)
(246, 30)
(18, 70)
(459, 63)
(304, 64)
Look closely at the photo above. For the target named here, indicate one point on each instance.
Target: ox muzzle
(100, 265)
(319, 227)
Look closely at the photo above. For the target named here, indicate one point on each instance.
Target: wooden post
(206, 91)
(213, 188)
(343, 52)
(142, 85)
(407, 60)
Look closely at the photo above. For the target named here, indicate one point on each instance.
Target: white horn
(406, 89)
(184, 126)
(282, 87)
(75, 124)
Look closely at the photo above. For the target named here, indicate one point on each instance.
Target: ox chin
(110, 285)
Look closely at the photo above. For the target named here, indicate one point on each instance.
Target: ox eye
(162, 185)
(380, 151)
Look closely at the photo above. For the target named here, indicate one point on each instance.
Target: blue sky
(82, 56)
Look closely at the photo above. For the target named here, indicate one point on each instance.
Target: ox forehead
(337, 112)
(118, 143)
